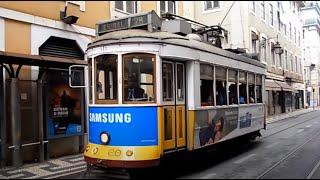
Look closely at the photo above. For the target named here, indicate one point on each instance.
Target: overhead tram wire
(227, 13)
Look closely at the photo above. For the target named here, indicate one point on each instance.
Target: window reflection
(139, 77)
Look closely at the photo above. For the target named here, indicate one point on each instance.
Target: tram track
(296, 124)
(290, 154)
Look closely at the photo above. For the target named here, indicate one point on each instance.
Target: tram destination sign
(143, 20)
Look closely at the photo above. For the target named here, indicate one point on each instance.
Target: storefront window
(206, 87)
(106, 78)
(251, 82)
(232, 86)
(139, 75)
(243, 87)
(259, 88)
(221, 82)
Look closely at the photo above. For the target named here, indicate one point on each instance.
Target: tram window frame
(235, 83)
(223, 80)
(126, 57)
(168, 99)
(207, 79)
(245, 85)
(183, 89)
(90, 80)
(259, 87)
(115, 82)
(251, 88)
(115, 93)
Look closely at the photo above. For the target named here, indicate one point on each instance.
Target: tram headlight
(104, 138)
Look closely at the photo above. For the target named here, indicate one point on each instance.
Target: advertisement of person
(212, 125)
(64, 106)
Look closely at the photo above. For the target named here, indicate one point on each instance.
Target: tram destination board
(138, 20)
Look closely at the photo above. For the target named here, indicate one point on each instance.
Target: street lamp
(277, 48)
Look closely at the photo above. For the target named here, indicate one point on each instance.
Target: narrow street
(287, 149)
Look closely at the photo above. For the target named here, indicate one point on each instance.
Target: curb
(289, 116)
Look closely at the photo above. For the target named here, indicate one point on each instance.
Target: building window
(263, 10)
(221, 85)
(233, 86)
(296, 64)
(285, 29)
(263, 48)
(243, 87)
(279, 21)
(251, 82)
(206, 87)
(210, 5)
(273, 59)
(253, 6)
(127, 6)
(295, 35)
(299, 38)
(291, 62)
(259, 88)
(254, 39)
(290, 33)
(168, 6)
(138, 78)
(286, 59)
(280, 60)
(271, 15)
(106, 78)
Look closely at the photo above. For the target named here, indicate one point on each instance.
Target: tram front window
(138, 77)
(221, 81)
(106, 78)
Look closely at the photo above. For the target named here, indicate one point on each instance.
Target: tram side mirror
(76, 76)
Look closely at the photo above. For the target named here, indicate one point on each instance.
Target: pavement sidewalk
(279, 117)
(51, 169)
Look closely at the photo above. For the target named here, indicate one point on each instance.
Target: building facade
(258, 28)
(311, 52)
(43, 29)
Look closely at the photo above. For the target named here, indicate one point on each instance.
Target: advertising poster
(126, 126)
(212, 125)
(251, 118)
(64, 106)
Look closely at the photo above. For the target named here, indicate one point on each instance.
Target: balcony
(312, 22)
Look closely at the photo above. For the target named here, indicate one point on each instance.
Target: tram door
(174, 124)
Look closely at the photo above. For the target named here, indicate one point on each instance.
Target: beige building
(33, 30)
(255, 27)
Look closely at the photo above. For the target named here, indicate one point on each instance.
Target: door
(174, 122)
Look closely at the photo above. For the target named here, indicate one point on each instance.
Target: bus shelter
(12, 63)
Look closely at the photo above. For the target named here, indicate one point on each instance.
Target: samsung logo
(110, 117)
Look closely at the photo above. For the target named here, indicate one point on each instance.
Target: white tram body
(152, 93)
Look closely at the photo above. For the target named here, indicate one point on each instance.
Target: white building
(311, 51)
(255, 27)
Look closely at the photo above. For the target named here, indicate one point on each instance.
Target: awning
(275, 85)
(36, 60)
(271, 85)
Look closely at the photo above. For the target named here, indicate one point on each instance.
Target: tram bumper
(122, 156)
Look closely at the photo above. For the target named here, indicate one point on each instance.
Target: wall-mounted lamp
(69, 19)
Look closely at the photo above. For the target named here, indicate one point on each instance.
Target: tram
(152, 92)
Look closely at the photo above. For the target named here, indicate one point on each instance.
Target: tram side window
(232, 86)
(106, 77)
(180, 82)
(251, 82)
(206, 87)
(167, 81)
(259, 88)
(221, 85)
(243, 87)
(139, 77)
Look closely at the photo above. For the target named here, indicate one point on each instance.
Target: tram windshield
(139, 74)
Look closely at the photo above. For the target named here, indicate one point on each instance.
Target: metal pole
(15, 123)
(313, 97)
(40, 117)
(3, 118)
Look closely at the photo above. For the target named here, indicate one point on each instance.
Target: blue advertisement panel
(127, 126)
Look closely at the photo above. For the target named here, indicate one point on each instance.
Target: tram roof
(138, 35)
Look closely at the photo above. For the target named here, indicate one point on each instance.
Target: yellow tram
(153, 92)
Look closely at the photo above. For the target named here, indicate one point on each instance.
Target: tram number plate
(139, 20)
(114, 152)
